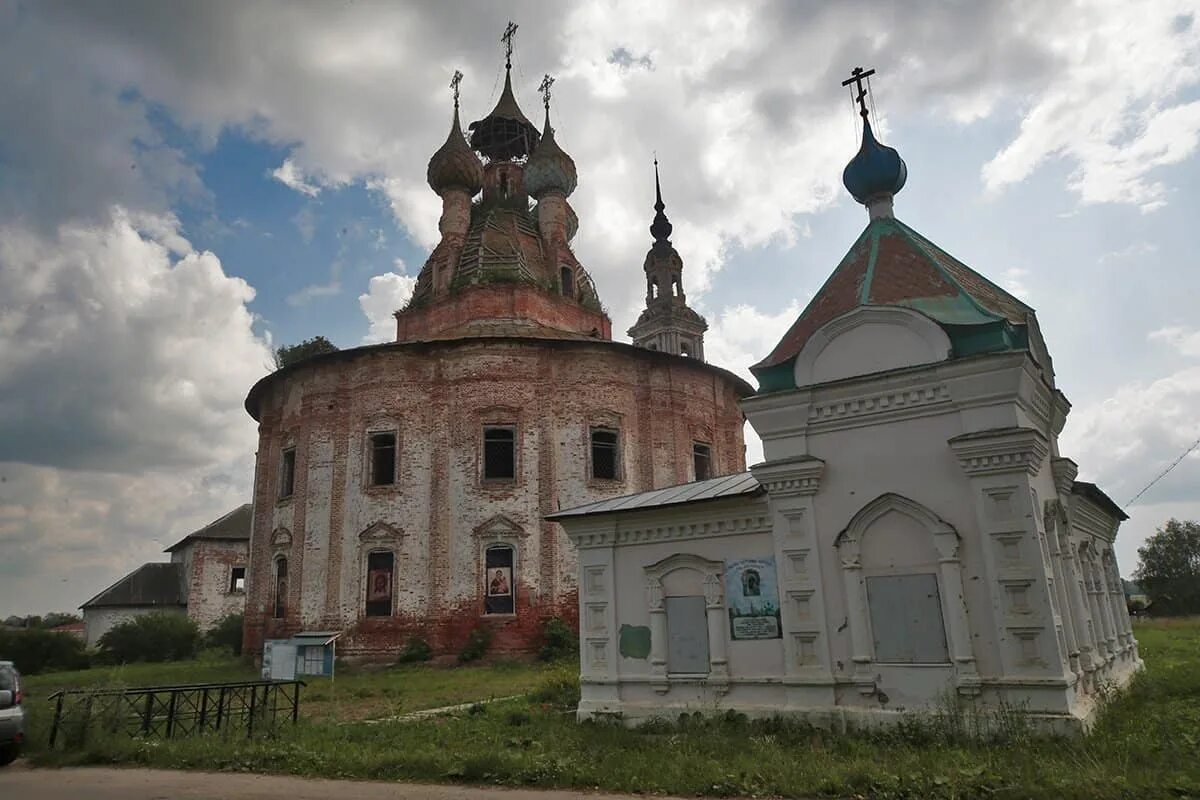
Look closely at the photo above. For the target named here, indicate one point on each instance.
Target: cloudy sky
(184, 186)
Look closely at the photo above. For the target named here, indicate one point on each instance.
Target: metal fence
(168, 711)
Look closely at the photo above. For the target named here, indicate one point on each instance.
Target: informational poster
(752, 597)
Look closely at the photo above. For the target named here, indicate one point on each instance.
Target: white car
(12, 716)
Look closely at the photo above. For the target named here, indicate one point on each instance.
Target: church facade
(401, 490)
(914, 540)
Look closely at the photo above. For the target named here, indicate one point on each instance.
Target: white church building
(913, 539)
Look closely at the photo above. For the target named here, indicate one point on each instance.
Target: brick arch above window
(281, 539)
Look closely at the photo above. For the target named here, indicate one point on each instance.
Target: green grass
(1146, 745)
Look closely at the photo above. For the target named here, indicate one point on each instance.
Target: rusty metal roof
(148, 585)
(742, 483)
(892, 265)
(234, 526)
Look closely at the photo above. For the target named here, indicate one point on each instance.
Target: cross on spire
(454, 82)
(544, 88)
(857, 76)
(507, 38)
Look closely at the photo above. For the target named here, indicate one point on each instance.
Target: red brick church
(401, 489)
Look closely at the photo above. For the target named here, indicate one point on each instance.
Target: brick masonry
(440, 515)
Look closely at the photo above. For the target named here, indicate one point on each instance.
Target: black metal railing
(169, 711)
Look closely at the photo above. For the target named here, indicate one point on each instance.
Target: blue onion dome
(876, 171)
(549, 168)
(455, 165)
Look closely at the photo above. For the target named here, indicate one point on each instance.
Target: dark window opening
(604, 454)
(383, 459)
(653, 346)
(287, 473)
(504, 184)
(500, 589)
(499, 453)
(237, 579)
(702, 460)
(281, 588)
(379, 584)
(685, 350)
(568, 282)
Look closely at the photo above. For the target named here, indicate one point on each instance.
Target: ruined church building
(401, 489)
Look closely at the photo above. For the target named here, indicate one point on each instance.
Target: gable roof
(148, 585)
(234, 526)
(890, 264)
(741, 483)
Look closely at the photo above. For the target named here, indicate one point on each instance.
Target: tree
(226, 634)
(1169, 568)
(287, 355)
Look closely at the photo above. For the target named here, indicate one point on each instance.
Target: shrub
(478, 642)
(226, 634)
(415, 650)
(161, 636)
(559, 641)
(35, 650)
(559, 688)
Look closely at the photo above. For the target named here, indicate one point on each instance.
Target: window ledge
(283, 501)
(381, 488)
(606, 483)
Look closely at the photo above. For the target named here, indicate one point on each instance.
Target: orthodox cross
(507, 37)
(857, 76)
(454, 82)
(544, 88)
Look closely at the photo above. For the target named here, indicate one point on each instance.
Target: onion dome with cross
(549, 168)
(455, 165)
(877, 172)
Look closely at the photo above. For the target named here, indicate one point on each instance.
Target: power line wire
(1163, 474)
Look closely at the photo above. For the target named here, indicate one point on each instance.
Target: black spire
(660, 229)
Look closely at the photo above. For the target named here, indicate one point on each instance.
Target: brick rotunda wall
(440, 515)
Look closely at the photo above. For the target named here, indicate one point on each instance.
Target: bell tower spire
(668, 324)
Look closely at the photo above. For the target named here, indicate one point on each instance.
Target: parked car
(12, 715)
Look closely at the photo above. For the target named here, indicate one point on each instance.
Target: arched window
(685, 350)
(654, 289)
(675, 286)
(499, 582)
(281, 587)
(567, 281)
(504, 184)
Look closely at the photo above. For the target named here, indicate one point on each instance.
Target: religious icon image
(751, 583)
(500, 581)
(379, 586)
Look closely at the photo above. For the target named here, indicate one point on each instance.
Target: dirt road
(95, 783)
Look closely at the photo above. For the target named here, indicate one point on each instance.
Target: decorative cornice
(790, 477)
(1003, 450)
(380, 532)
(499, 526)
(757, 523)
(893, 400)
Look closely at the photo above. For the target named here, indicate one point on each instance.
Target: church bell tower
(667, 324)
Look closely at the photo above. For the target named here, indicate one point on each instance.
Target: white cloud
(1185, 340)
(386, 294)
(290, 176)
(123, 365)
(1112, 104)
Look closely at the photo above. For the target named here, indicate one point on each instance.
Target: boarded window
(379, 584)
(568, 282)
(237, 579)
(499, 585)
(702, 460)
(604, 454)
(687, 635)
(906, 619)
(281, 588)
(287, 472)
(383, 459)
(499, 452)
